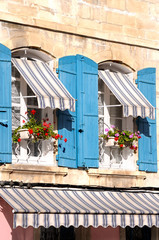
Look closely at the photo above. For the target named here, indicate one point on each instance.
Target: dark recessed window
(53, 233)
(138, 233)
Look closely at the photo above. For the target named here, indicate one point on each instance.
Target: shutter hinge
(82, 58)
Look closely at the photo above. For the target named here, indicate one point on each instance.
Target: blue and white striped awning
(133, 101)
(44, 83)
(56, 207)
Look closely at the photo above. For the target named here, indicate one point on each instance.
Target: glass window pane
(116, 122)
(115, 111)
(101, 111)
(114, 100)
(100, 99)
(31, 101)
(15, 92)
(15, 72)
(100, 85)
(101, 125)
(15, 117)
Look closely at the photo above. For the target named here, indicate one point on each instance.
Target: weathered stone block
(121, 19)
(120, 4)
(84, 11)
(141, 8)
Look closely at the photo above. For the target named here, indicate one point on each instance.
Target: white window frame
(47, 155)
(114, 157)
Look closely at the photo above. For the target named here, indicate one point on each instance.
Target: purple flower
(123, 133)
(117, 135)
(107, 130)
(112, 126)
(131, 136)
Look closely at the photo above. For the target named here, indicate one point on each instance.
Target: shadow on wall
(145, 126)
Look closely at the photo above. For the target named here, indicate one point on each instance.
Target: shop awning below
(56, 207)
(133, 101)
(45, 84)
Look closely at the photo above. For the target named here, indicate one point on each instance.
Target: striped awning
(133, 101)
(44, 83)
(56, 207)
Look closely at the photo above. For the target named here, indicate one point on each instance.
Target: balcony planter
(34, 130)
(110, 142)
(24, 134)
(122, 139)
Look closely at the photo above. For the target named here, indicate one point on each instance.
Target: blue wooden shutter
(80, 76)
(5, 105)
(67, 152)
(148, 143)
(87, 112)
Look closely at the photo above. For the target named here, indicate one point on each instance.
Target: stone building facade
(126, 31)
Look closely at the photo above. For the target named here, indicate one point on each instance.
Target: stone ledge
(116, 174)
(32, 173)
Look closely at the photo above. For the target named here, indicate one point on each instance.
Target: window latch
(4, 124)
(80, 130)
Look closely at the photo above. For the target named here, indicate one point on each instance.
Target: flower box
(110, 142)
(34, 130)
(124, 138)
(24, 134)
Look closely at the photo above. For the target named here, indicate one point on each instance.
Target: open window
(36, 89)
(24, 99)
(111, 113)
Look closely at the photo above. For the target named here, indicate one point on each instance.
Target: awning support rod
(25, 97)
(119, 105)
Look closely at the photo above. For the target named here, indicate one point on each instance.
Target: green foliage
(122, 138)
(36, 130)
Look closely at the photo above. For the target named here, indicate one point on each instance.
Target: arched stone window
(110, 113)
(24, 99)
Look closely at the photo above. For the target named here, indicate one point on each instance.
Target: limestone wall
(129, 21)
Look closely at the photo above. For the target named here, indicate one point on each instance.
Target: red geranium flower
(19, 139)
(23, 121)
(57, 136)
(121, 145)
(33, 111)
(116, 138)
(46, 134)
(65, 140)
(30, 131)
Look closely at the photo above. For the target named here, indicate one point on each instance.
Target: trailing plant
(36, 130)
(122, 138)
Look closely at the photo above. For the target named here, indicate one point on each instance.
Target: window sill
(116, 173)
